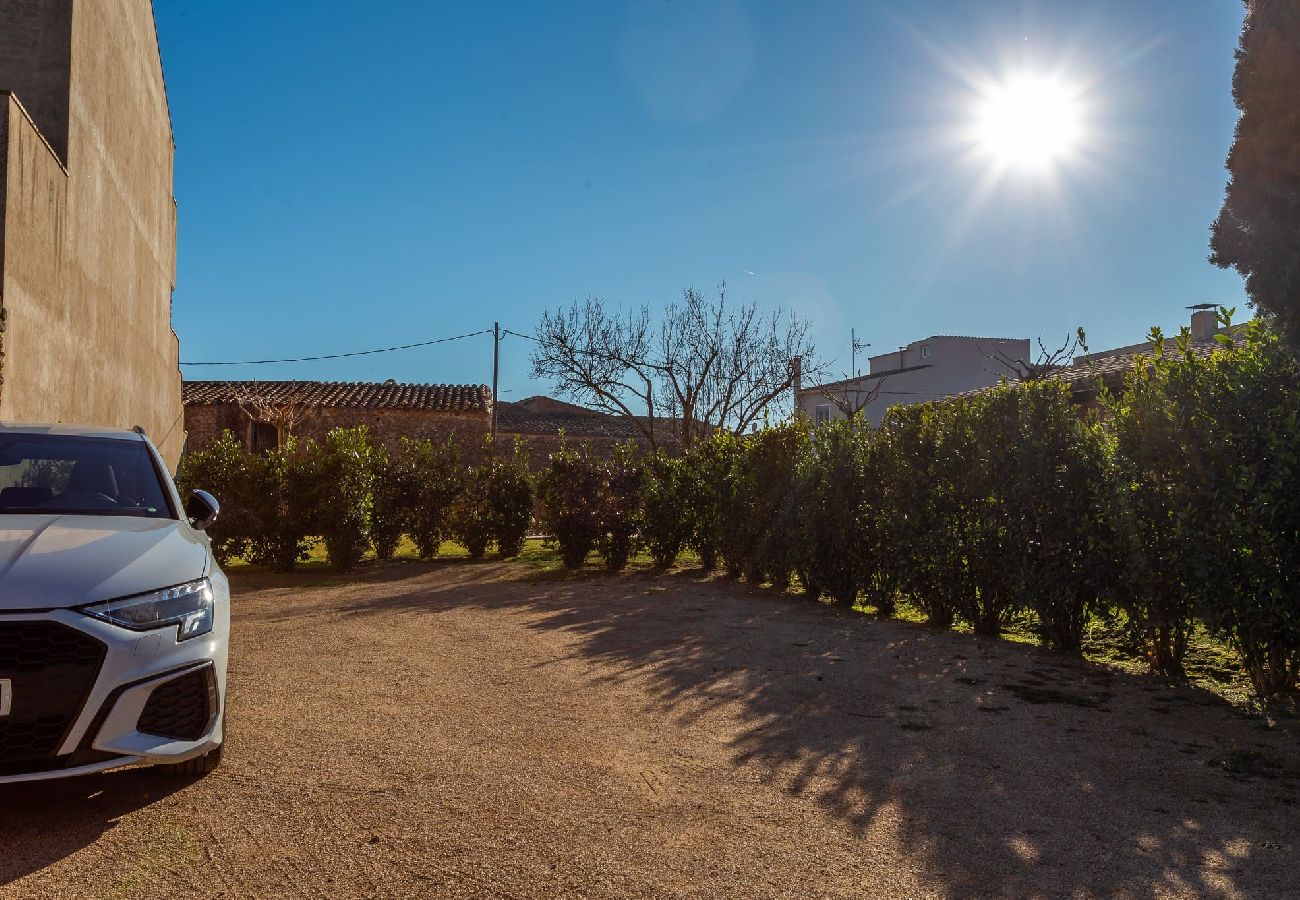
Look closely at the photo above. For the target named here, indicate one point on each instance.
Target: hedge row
(1179, 502)
(354, 495)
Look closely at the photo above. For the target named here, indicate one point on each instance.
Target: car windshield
(88, 476)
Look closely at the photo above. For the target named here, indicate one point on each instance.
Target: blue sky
(358, 175)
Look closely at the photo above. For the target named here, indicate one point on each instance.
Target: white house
(936, 367)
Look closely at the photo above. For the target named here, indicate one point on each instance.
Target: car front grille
(51, 669)
(181, 708)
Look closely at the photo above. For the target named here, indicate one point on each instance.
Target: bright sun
(1029, 123)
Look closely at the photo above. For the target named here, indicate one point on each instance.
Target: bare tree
(849, 396)
(700, 366)
(285, 409)
(1048, 362)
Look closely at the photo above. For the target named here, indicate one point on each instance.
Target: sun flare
(1029, 123)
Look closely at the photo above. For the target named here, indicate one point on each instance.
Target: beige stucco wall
(89, 250)
(936, 367)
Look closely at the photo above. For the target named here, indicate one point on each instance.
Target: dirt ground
(492, 731)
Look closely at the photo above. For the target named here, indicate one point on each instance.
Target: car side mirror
(202, 509)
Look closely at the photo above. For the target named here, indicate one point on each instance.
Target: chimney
(1205, 324)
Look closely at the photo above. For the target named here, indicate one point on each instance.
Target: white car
(114, 617)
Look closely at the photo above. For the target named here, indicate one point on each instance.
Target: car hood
(53, 561)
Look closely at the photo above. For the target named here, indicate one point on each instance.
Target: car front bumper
(149, 699)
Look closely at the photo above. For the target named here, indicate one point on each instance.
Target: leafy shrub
(394, 490)
(1160, 521)
(471, 513)
(916, 531)
(342, 467)
(510, 497)
(1237, 415)
(764, 512)
(1051, 486)
(223, 470)
(710, 481)
(666, 524)
(280, 491)
(835, 561)
(571, 491)
(431, 474)
(620, 506)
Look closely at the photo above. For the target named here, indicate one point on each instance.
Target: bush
(342, 467)
(710, 486)
(280, 490)
(432, 474)
(510, 497)
(666, 526)
(1054, 492)
(222, 470)
(764, 512)
(1238, 502)
(916, 527)
(571, 493)
(620, 507)
(471, 513)
(835, 559)
(1161, 522)
(394, 491)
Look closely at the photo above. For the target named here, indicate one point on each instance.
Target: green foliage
(666, 527)
(709, 479)
(471, 512)
(342, 467)
(1258, 230)
(1052, 493)
(919, 559)
(764, 513)
(572, 489)
(432, 479)
(837, 554)
(222, 470)
(620, 506)
(510, 497)
(393, 492)
(279, 492)
(1236, 418)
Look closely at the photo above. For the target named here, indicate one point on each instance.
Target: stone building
(87, 219)
(263, 413)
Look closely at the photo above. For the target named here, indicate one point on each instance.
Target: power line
(264, 362)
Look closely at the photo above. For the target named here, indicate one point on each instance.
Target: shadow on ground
(1002, 768)
(42, 822)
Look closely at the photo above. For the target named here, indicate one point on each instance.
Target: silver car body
(50, 565)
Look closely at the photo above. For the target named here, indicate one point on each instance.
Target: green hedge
(1179, 503)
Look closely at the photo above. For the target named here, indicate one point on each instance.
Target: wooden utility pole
(496, 361)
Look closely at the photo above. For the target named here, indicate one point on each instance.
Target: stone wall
(91, 245)
(204, 424)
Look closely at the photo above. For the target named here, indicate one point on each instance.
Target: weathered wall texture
(205, 422)
(89, 253)
(35, 62)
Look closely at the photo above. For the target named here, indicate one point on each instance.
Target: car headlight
(188, 606)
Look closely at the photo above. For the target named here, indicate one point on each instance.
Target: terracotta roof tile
(346, 394)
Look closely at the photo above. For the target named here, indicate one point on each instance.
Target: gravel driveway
(488, 730)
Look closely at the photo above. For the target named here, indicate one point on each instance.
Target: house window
(822, 414)
(925, 352)
(264, 436)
